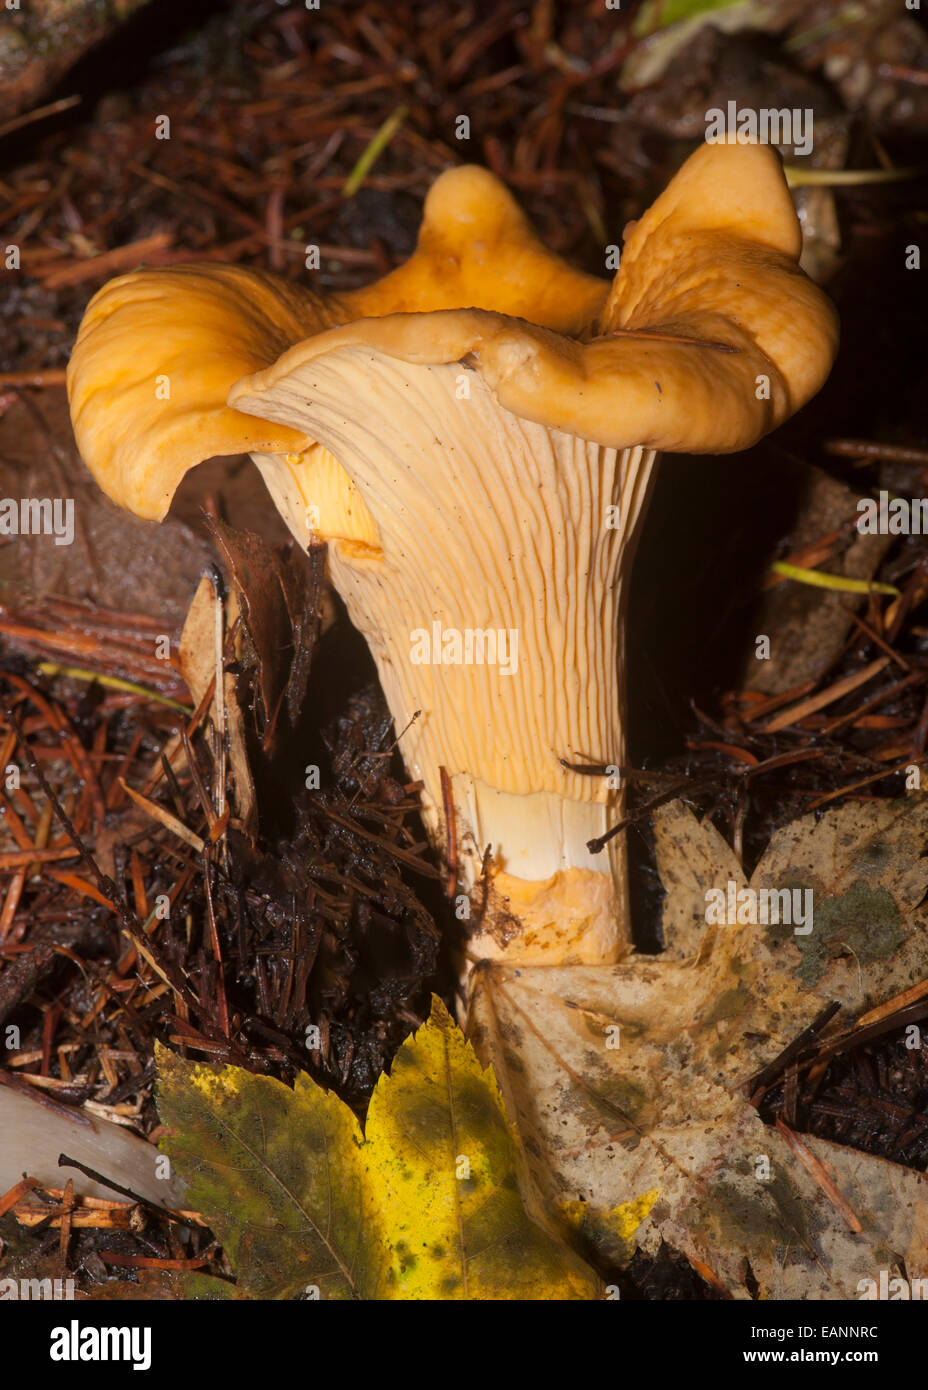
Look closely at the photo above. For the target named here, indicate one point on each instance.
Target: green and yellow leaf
(276, 1172)
(425, 1205)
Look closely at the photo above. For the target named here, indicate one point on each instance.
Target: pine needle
(798, 177)
(374, 150)
(820, 580)
(79, 673)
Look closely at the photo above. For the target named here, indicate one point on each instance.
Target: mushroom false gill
(474, 437)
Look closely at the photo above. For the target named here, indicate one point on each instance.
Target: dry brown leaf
(628, 1078)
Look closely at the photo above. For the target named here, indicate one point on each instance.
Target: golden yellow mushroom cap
(460, 432)
(708, 337)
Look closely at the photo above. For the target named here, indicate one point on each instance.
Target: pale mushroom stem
(485, 558)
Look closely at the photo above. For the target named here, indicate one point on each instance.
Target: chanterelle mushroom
(474, 435)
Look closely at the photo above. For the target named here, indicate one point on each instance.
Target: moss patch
(864, 920)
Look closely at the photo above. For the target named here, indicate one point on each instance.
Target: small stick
(196, 720)
(864, 781)
(912, 1013)
(218, 637)
(870, 449)
(767, 705)
(67, 1206)
(59, 275)
(39, 113)
(731, 750)
(918, 76)
(64, 1161)
(202, 794)
(414, 862)
(18, 1190)
(814, 1168)
(898, 1001)
(709, 1277)
(917, 678)
(41, 376)
(111, 1257)
(11, 903)
(81, 673)
(138, 887)
(81, 886)
(222, 1002)
(184, 995)
(812, 555)
(883, 645)
(824, 697)
(451, 832)
(685, 788)
(165, 818)
(763, 1079)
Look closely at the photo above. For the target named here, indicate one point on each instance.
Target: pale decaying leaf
(865, 867)
(424, 1205)
(35, 1131)
(627, 1078)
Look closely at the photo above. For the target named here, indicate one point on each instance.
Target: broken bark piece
(281, 602)
(41, 41)
(807, 626)
(198, 663)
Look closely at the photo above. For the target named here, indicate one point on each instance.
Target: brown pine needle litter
(123, 920)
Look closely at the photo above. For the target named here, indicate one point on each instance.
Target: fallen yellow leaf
(425, 1205)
